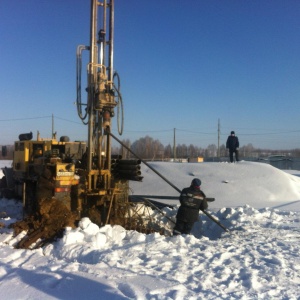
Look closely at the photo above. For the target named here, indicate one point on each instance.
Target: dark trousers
(182, 227)
(231, 155)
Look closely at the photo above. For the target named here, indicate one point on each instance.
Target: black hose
(119, 103)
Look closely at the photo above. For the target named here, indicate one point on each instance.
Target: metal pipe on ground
(166, 180)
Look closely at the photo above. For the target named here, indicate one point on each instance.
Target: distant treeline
(152, 149)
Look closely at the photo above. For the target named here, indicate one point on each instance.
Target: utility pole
(174, 145)
(219, 137)
(52, 135)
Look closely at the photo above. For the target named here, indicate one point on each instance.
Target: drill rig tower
(102, 98)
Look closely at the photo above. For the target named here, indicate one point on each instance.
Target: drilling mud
(47, 224)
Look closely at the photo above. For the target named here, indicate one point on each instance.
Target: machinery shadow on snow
(62, 285)
(286, 204)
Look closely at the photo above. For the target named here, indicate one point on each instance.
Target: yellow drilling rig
(61, 181)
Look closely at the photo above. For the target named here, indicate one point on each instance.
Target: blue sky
(183, 65)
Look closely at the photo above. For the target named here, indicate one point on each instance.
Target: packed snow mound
(232, 185)
(258, 259)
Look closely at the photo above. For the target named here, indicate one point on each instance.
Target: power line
(278, 131)
(68, 120)
(271, 133)
(138, 131)
(43, 117)
(22, 119)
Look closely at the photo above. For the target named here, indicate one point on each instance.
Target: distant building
(196, 159)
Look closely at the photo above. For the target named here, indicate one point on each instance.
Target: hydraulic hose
(79, 104)
(120, 109)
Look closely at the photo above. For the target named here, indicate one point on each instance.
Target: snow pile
(258, 259)
(232, 185)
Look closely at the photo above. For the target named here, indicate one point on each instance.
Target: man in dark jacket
(233, 145)
(192, 199)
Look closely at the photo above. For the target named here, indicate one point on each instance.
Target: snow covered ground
(259, 259)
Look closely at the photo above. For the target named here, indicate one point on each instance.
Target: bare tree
(247, 150)
(168, 151)
(222, 150)
(124, 152)
(211, 150)
(147, 148)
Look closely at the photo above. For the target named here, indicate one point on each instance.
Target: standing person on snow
(232, 145)
(192, 199)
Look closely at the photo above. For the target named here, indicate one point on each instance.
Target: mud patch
(49, 223)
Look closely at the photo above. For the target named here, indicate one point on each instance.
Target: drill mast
(102, 95)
